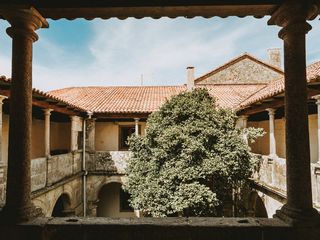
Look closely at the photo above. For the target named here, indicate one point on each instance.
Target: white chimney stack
(190, 78)
(274, 55)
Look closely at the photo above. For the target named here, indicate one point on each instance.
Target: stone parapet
(110, 162)
(154, 228)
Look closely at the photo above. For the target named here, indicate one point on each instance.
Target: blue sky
(117, 52)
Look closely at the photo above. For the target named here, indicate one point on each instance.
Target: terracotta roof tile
(277, 87)
(118, 99)
(44, 94)
(230, 95)
(146, 99)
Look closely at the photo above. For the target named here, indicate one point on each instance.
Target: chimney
(190, 78)
(274, 56)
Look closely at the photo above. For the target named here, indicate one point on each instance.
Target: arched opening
(256, 206)
(62, 208)
(113, 202)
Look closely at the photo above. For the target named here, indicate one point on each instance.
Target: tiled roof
(235, 60)
(146, 99)
(118, 99)
(277, 87)
(230, 95)
(43, 94)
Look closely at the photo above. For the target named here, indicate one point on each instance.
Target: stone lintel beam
(23, 22)
(292, 17)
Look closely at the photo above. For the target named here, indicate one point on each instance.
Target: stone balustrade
(109, 162)
(271, 173)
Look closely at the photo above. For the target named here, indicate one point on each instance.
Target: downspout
(85, 172)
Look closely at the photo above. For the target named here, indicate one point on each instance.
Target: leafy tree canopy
(189, 159)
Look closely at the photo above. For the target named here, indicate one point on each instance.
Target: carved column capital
(317, 98)
(47, 111)
(292, 17)
(271, 111)
(2, 98)
(24, 22)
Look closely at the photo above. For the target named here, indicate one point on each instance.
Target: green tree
(189, 160)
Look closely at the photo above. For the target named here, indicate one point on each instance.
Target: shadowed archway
(62, 208)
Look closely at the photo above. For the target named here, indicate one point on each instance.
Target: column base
(10, 215)
(298, 217)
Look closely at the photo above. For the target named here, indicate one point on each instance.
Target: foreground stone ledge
(149, 228)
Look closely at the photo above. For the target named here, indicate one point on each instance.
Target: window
(124, 202)
(124, 133)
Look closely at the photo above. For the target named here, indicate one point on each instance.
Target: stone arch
(62, 206)
(256, 206)
(112, 179)
(113, 201)
(44, 205)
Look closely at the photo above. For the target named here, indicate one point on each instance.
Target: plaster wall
(107, 135)
(261, 146)
(109, 202)
(37, 136)
(5, 137)
(60, 135)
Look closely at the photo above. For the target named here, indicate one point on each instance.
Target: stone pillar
(74, 134)
(23, 22)
(90, 134)
(47, 114)
(243, 124)
(292, 18)
(272, 139)
(136, 126)
(318, 105)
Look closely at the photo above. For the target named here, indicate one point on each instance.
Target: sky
(150, 52)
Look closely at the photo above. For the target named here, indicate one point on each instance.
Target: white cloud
(159, 49)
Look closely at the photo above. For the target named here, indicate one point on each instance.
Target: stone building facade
(65, 181)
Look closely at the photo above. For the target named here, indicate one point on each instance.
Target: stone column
(74, 134)
(242, 123)
(47, 114)
(23, 22)
(318, 105)
(292, 18)
(272, 139)
(136, 126)
(90, 134)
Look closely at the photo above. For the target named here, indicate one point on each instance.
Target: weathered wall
(111, 162)
(38, 173)
(60, 135)
(47, 200)
(244, 71)
(107, 135)
(62, 166)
